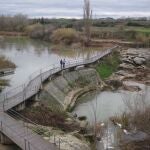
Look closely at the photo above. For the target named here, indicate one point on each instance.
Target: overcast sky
(73, 8)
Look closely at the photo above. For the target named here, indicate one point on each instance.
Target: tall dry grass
(5, 63)
(137, 118)
(65, 36)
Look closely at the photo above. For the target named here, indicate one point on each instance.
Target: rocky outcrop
(126, 66)
(134, 67)
(66, 141)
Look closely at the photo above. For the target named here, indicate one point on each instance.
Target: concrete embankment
(66, 88)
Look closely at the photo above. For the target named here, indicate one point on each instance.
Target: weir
(16, 131)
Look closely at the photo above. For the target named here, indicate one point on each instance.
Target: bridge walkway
(15, 130)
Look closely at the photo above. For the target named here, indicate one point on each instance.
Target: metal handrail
(28, 120)
(41, 76)
(23, 141)
(24, 87)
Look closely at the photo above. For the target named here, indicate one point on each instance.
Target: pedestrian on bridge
(61, 64)
(64, 62)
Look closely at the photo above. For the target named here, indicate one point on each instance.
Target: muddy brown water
(32, 55)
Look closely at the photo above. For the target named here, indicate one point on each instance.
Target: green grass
(138, 29)
(144, 30)
(3, 82)
(108, 66)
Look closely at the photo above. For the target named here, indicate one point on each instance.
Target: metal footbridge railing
(15, 129)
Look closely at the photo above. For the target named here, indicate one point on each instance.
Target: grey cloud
(68, 8)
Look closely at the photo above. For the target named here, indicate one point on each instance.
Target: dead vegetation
(5, 63)
(136, 119)
(44, 116)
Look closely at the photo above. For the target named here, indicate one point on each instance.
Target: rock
(136, 137)
(79, 67)
(126, 66)
(134, 84)
(125, 74)
(147, 82)
(126, 60)
(131, 88)
(70, 142)
(132, 51)
(76, 45)
(115, 83)
(81, 118)
(83, 124)
(69, 121)
(139, 61)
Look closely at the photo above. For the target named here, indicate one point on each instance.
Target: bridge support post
(20, 106)
(25, 141)
(5, 140)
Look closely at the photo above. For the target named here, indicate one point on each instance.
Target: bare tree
(87, 21)
(13, 23)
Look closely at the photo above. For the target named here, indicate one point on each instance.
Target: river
(104, 105)
(107, 103)
(32, 55)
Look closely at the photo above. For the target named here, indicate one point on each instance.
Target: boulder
(139, 60)
(81, 118)
(126, 60)
(83, 124)
(134, 85)
(115, 83)
(126, 66)
(133, 52)
(131, 88)
(135, 137)
(125, 74)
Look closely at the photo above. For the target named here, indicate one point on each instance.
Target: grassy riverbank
(71, 31)
(108, 65)
(3, 83)
(5, 63)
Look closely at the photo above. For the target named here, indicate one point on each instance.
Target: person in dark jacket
(61, 64)
(64, 62)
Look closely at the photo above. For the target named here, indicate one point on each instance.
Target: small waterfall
(109, 139)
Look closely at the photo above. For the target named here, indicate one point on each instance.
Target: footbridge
(11, 128)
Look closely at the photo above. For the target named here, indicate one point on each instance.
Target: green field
(138, 29)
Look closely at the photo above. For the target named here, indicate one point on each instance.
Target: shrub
(5, 63)
(140, 37)
(40, 31)
(65, 35)
(35, 31)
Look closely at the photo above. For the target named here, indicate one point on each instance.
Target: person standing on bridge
(64, 62)
(61, 64)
